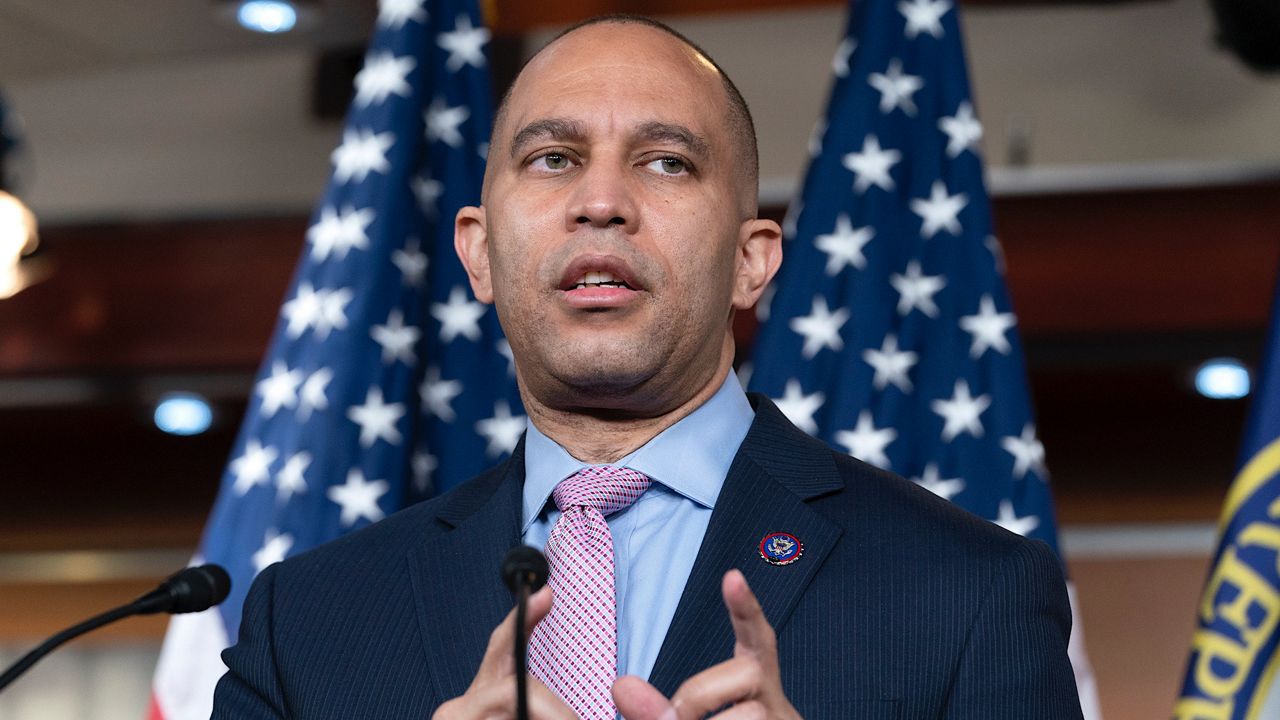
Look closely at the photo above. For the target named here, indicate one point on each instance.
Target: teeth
(597, 277)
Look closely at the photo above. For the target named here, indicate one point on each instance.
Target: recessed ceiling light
(267, 16)
(183, 414)
(1222, 379)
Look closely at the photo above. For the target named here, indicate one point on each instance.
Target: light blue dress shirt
(656, 539)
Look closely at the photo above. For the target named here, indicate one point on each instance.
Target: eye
(552, 161)
(670, 165)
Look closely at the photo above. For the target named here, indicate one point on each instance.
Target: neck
(599, 437)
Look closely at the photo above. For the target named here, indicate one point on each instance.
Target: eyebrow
(655, 131)
(563, 129)
(549, 128)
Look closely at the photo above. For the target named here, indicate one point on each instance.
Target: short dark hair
(740, 122)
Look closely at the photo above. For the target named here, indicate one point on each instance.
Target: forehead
(618, 72)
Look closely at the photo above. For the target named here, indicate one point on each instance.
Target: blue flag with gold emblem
(1231, 674)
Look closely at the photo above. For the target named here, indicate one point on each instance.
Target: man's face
(614, 231)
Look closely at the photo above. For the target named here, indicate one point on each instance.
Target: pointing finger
(750, 627)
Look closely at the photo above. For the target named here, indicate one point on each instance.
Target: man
(617, 236)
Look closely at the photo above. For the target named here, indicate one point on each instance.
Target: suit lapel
(775, 471)
(459, 594)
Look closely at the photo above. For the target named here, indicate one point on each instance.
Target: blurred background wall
(173, 158)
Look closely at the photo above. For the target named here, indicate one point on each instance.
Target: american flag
(889, 332)
(385, 380)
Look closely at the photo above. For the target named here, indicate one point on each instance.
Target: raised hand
(749, 684)
(492, 694)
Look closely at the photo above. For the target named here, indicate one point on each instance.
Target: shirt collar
(691, 457)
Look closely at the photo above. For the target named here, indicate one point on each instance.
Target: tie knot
(607, 488)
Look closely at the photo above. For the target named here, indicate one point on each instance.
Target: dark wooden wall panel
(1169, 260)
(134, 297)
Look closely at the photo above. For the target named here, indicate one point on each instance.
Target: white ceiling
(146, 108)
(48, 38)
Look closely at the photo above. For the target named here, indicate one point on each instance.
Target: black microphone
(524, 565)
(524, 570)
(190, 590)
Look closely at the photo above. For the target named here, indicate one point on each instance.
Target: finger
(546, 705)
(498, 656)
(638, 700)
(750, 627)
(729, 682)
(498, 700)
(750, 710)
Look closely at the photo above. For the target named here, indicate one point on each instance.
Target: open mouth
(599, 279)
(599, 273)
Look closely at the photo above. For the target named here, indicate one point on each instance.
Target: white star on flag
(1010, 521)
(279, 390)
(396, 338)
(395, 13)
(465, 44)
(988, 328)
(383, 75)
(437, 394)
(844, 244)
(896, 88)
(789, 221)
(428, 192)
(423, 465)
(275, 546)
(890, 364)
(412, 263)
(962, 129)
(361, 153)
(924, 16)
(313, 395)
(443, 122)
(1027, 451)
(840, 63)
(916, 290)
(458, 316)
(376, 418)
(302, 311)
(962, 413)
(253, 467)
(291, 479)
(504, 349)
(816, 136)
(992, 243)
(338, 232)
(939, 211)
(872, 165)
(358, 498)
(503, 430)
(820, 328)
(333, 311)
(930, 480)
(798, 407)
(867, 442)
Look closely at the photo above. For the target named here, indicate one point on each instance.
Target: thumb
(638, 700)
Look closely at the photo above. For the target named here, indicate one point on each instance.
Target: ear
(759, 255)
(471, 242)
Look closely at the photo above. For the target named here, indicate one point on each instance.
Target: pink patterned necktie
(574, 650)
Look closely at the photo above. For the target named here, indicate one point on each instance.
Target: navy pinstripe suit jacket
(902, 606)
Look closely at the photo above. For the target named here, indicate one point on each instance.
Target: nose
(602, 198)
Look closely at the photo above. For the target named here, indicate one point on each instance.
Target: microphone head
(524, 565)
(195, 589)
